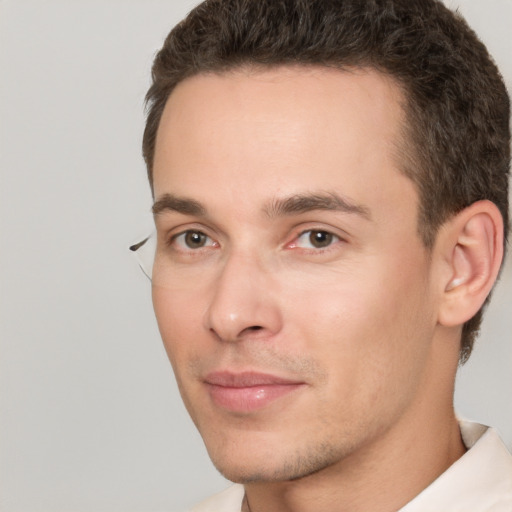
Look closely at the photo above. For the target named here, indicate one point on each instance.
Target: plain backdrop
(90, 418)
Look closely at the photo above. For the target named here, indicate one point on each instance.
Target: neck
(383, 475)
(374, 479)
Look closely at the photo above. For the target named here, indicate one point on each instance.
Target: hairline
(406, 160)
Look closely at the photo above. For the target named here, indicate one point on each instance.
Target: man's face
(291, 288)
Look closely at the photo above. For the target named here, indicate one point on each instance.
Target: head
(387, 113)
(456, 140)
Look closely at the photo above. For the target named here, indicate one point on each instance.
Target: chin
(242, 466)
(249, 473)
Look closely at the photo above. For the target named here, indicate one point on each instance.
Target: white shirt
(480, 481)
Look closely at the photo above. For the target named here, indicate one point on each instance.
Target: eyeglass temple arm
(138, 245)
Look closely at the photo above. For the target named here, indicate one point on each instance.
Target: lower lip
(249, 399)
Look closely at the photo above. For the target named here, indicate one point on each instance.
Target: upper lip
(246, 379)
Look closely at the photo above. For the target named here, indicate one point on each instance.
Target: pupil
(320, 239)
(194, 239)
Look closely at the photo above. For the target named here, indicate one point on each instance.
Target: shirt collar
(481, 480)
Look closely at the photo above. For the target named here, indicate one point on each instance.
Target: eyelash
(184, 247)
(173, 240)
(332, 239)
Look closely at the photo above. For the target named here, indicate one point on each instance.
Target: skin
(355, 322)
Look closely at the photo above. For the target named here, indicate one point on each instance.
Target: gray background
(90, 417)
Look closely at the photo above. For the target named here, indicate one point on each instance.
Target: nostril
(249, 330)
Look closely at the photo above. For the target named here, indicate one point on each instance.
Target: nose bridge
(242, 302)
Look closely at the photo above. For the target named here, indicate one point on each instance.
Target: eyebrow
(281, 207)
(303, 203)
(184, 205)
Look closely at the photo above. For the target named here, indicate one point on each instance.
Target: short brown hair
(457, 104)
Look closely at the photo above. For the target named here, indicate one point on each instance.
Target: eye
(315, 239)
(192, 239)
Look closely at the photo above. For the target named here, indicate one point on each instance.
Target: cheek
(178, 321)
(180, 326)
(371, 330)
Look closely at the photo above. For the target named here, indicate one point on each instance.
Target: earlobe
(473, 247)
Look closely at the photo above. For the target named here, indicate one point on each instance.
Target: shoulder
(229, 500)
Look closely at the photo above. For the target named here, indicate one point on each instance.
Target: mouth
(248, 391)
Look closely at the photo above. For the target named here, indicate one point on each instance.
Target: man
(330, 182)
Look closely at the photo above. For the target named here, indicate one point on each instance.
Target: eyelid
(171, 239)
(335, 233)
(166, 231)
(170, 236)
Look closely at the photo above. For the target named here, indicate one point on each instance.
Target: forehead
(307, 96)
(282, 128)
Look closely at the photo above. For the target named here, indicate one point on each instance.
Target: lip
(248, 391)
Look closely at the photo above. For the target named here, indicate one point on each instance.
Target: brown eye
(320, 239)
(191, 240)
(315, 239)
(195, 239)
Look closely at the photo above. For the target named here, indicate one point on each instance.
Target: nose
(244, 301)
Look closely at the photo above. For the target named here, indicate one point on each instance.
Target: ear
(471, 249)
